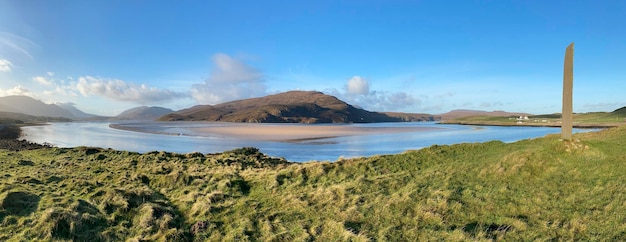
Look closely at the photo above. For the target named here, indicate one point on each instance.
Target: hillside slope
(19, 118)
(620, 111)
(288, 107)
(143, 113)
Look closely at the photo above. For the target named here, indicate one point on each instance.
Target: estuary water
(178, 137)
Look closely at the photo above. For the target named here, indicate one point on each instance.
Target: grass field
(539, 189)
(581, 120)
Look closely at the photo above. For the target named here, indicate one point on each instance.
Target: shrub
(9, 131)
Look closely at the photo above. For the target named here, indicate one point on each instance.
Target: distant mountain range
(28, 109)
(34, 107)
(287, 107)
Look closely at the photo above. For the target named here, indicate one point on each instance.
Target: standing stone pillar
(568, 79)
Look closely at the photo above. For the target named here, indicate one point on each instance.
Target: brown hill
(287, 107)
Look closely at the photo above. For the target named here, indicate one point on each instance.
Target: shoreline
(194, 196)
(10, 135)
(278, 140)
(279, 132)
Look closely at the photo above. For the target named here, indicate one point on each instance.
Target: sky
(408, 56)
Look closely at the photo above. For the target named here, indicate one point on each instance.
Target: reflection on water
(100, 135)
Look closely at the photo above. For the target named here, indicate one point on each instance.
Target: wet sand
(298, 132)
(286, 132)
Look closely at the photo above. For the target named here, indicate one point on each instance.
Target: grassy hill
(620, 111)
(539, 189)
(464, 113)
(593, 119)
(287, 107)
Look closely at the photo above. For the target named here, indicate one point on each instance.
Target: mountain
(143, 113)
(287, 107)
(75, 111)
(461, 113)
(31, 106)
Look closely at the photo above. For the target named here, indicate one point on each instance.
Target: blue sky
(410, 56)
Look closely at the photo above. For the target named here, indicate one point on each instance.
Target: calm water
(99, 134)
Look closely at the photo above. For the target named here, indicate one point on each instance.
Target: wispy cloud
(122, 91)
(5, 65)
(15, 45)
(490, 104)
(43, 81)
(230, 79)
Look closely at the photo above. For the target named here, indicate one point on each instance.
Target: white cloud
(50, 73)
(357, 92)
(123, 91)
(5, 65)
(357, 85)
(43, 81)
(230, 79)
(17, 91)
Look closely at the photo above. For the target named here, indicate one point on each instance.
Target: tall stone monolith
(568, 83)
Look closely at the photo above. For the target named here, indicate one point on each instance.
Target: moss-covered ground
(539, 189)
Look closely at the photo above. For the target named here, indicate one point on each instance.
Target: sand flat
(277, 132)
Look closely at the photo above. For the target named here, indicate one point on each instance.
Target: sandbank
(285, 132)
(298, 132)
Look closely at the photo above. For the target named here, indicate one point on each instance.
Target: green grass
(594, 119)
(600, 117)
(539, 189)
